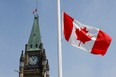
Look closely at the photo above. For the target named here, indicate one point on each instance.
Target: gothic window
(31, 46)
(36, 45)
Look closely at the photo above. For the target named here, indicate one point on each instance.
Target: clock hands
(33, 60)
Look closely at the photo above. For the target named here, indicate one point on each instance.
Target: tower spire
(22, 57)
(34, 41)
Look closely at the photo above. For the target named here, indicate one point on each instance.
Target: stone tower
(33, 61)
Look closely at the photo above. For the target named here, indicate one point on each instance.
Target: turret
(47, 69)
(44, 64)
(21, 67)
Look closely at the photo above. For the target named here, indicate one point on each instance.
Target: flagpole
(59, 41)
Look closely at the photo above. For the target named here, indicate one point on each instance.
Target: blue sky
(16, 21)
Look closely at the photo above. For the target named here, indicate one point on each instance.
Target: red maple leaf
(82, 35)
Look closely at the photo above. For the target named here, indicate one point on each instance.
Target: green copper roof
(35, 37)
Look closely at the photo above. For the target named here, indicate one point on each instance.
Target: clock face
(33, 60)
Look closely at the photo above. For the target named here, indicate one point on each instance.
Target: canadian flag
(85, 37)
(34, 11)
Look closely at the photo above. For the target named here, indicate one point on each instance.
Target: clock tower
(33, 61)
